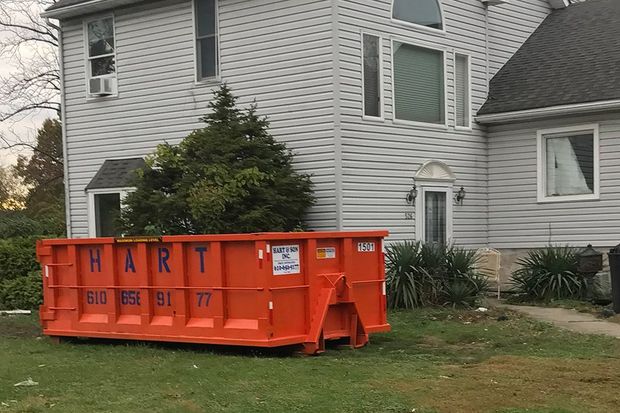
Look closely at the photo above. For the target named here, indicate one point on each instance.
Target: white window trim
(218, 77)
(87, 58)
(433, 186)
(468, 90)
(381, 116)
(442, 126)
(420, 27)
(92, 225)
(541, 172)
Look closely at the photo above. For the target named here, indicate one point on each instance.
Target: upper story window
(207, 58)
(462, 91)
(568, 164)
(371, 70)
(419, 85)
(101, 56)
(425, 13)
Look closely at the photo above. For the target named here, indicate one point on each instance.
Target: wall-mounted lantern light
(460, 196)
(412, 194)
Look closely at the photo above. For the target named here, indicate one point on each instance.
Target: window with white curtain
(207, 55)
(419, 90)
(462, 90)
(568, 164)
(371, 70)
(426, 13)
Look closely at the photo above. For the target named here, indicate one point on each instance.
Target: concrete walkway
(568, 319)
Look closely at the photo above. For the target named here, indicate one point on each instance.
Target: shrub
(420, 274)
(23, 293)
(17, 257)
(549, 273)
(409, 283)
(230, 176)
(20, 224)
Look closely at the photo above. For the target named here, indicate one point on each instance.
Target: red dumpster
(265, 290)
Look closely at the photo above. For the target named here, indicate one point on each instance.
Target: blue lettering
(201, 251)
(164, 254)
(129, 265)
(95, 260)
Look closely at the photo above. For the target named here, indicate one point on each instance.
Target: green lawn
(433, 361)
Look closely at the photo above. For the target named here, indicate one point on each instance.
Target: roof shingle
(573, 57)
(116, 173)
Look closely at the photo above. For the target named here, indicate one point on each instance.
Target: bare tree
(29, 44)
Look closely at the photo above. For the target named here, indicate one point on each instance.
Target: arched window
(422, 12)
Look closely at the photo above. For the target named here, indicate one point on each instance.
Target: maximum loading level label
(285, 259)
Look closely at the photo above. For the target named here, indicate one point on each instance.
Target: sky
(24, 128)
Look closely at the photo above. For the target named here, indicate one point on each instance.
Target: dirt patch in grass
(13, 326)
(519, 382)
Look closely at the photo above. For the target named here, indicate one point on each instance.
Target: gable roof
(71, 8)
(573, 57)
(116, 173)
(65, 3)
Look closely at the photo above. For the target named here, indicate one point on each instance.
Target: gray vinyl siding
(517, 220)
(279, 52)
(510, 25)
(380, 158)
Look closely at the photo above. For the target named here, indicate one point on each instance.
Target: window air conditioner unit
(102, 86)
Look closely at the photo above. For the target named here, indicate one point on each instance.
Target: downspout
(337, 116)
(486, 133)
(63, 124)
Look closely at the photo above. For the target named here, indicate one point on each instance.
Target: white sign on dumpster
(285, 259)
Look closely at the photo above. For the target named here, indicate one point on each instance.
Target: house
(489, 123)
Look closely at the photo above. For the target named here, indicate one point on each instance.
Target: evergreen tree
(230, 176)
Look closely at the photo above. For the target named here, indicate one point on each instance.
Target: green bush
(23, 293)
(19, 224)
(409, 283)
(17, 257)
(227, 177)
(549, 273)
(420, 275)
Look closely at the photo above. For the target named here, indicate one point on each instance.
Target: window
(101, 55)
(426, 13)
(462, 91)
(419, 93)
(568, 164)
(371, 73)
(205, 12)
(104, 209)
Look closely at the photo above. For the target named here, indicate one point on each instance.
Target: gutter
(84, 8)
(550, 111)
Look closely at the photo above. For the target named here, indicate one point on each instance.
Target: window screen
(435, 215)
(569, 165)
(107, 213)
(101, 46)
(423, 12)
(206, 38)
(461, 92)
(418, 84)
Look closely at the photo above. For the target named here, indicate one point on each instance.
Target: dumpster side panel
(255, 289)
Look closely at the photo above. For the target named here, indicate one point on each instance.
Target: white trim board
(560, 110)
